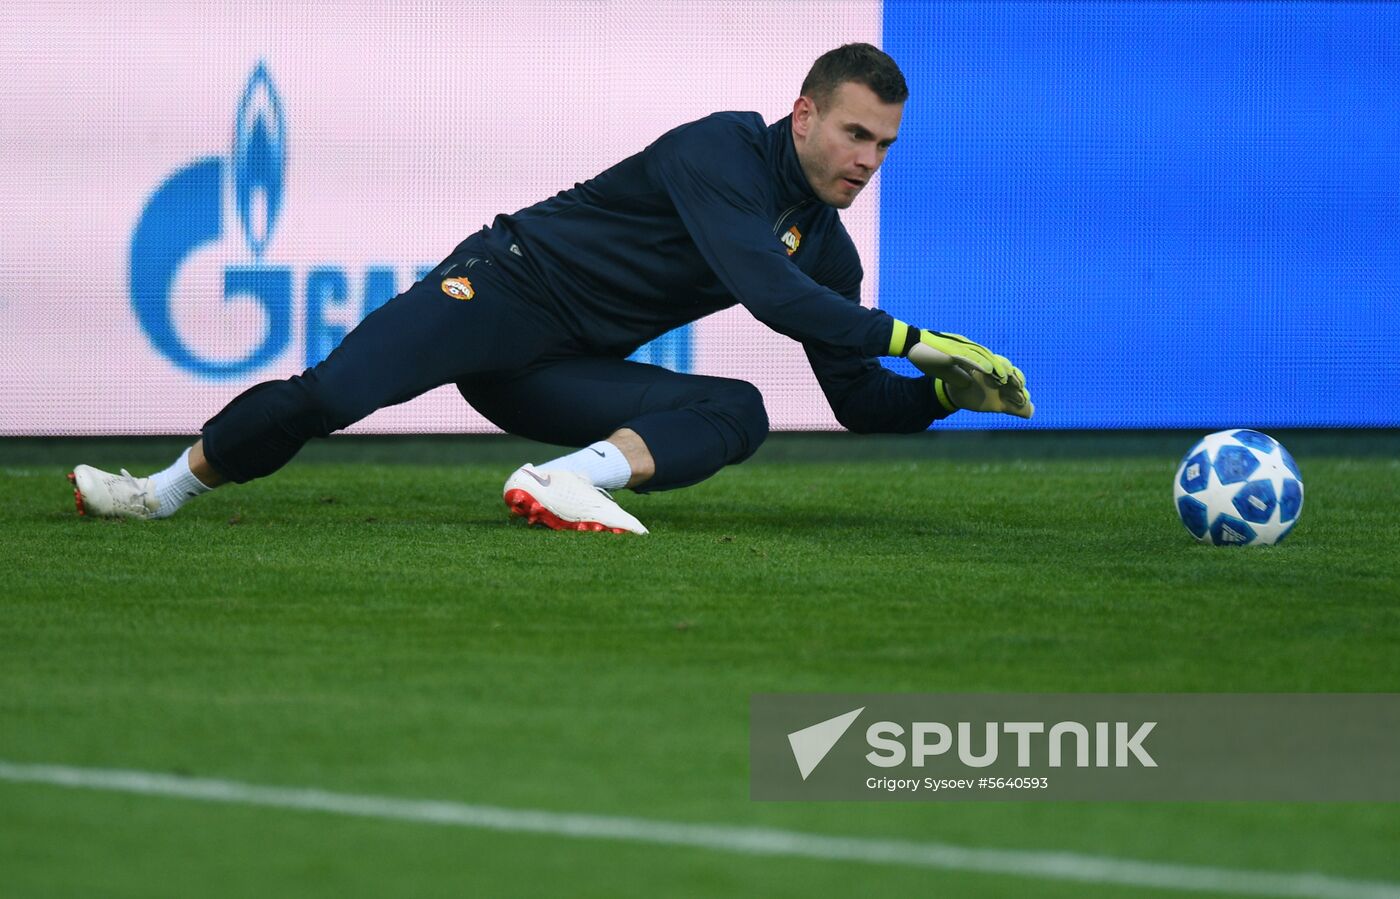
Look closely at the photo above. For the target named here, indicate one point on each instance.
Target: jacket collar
(793, 186)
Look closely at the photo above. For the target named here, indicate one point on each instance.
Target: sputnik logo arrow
(811, 744)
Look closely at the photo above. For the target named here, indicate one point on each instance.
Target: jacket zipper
(790, 210)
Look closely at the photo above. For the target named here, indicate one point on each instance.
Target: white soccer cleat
(105, 495)
(566, 501)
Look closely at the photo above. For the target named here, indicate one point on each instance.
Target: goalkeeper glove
(980, 393)
(952, 356)
(966, 375)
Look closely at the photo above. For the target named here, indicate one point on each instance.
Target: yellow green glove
(966, 374)
(948, 356)
(980, 393)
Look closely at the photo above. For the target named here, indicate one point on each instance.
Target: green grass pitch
(370, 621)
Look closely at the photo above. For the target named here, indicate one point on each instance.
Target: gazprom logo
(188, 212)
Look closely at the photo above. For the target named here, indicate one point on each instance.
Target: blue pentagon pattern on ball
(1194, 515)
(1235, 463)
(1256, 501)
(1195, 473)
(1238, 488)
(1255, 440)
(1292, 502)
(1228, 530)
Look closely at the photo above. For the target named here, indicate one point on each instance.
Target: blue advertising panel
(1169, 215)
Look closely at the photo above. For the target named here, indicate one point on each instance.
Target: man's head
(846, 119)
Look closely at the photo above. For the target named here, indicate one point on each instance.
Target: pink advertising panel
(196, 197)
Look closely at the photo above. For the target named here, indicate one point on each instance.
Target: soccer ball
(1238, 488)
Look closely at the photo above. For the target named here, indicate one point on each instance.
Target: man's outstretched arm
(867, 398)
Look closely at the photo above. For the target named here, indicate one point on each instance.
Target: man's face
(841, 145)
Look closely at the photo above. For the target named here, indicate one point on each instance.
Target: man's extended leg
(421, 339)
(673, 429)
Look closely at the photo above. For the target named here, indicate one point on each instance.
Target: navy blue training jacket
(715, 212)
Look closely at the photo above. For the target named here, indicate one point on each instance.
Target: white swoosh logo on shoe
(544, 481)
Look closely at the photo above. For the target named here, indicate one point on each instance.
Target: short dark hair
(861, 63)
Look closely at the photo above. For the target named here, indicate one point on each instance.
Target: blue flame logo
(259, 159)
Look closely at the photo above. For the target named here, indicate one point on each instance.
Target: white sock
(176, 485)
(601, 462)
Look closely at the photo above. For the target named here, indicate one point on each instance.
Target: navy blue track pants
(511, 360)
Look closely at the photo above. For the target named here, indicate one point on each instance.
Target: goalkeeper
(533, 317)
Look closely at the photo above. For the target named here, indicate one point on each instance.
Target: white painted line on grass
(717, 837)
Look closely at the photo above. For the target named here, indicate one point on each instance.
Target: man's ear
(803, 112)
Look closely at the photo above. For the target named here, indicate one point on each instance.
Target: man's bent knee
(743, 406)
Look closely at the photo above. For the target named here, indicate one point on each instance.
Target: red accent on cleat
(527, 507)
(77, 494)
